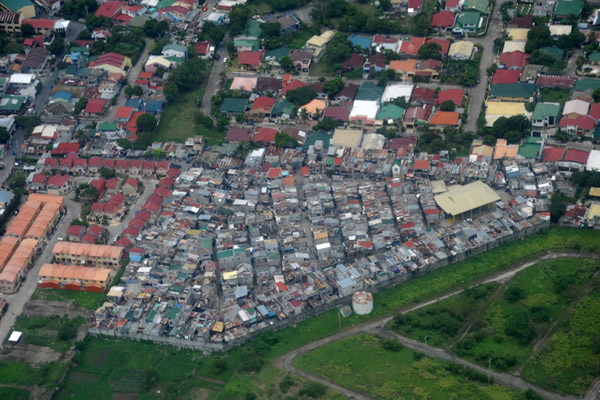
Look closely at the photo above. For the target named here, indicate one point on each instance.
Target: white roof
(21, 78)
(593, 162)
(365, 108)
(513, 45)
(557, 30)
(460, 199)
(373, 141)
(15, 336)
(61, 24)
(397, 90)
(576, 106)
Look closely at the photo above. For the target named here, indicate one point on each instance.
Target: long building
(17, 266)
(73, 277)
(462, 201)
(94, 255)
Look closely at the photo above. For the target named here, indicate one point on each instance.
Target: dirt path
(285, 362)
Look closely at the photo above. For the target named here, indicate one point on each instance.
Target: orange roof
(422, 165)
(503, 149)
(314, 105)
(403, 65)
(8, 244)
(288, 181)
(22, 221)
(20, 257)
(445, 118)
(75, 272)
(91, 250)
(42, 221)
(47, 198)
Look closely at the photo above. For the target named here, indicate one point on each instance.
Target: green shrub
(313, 389)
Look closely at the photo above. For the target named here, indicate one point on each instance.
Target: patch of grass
(52, 332)
(10, 393)
(534, 299)
(87, 300)
(20, 373)
(554, 95)
(361, 363)
(129, 381)
(260, 7)
(177, 123)
(322, 68)
(442, 321)
(296, 39)
(570, 362)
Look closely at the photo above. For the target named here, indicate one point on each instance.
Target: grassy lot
(260, 7)
(52, 332)
(363, 364)
(296, 39)
(87, 300)
(529, 305)
(506, 329)
(10, 393)
(322, 68)
(177, 123)
(571, 361)
(44, 376)
(554, 95)
(271, 345)
(442, 321)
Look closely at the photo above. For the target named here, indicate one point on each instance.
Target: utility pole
(339, 320)
(489, 370)
(426, 336)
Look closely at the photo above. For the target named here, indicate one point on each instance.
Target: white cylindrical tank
(362, 303)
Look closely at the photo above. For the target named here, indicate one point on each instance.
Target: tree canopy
(301, 95)
(430, 50)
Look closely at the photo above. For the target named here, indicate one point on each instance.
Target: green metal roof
(513, 90)
(246, 43)
(315, 136)
(530, 150)
(107, 126)
(594, 56)
(468, 17)
(206, 243)
(543, 110)
(553, 51)
(236, 106)
(224, 254)
(176, 47)
(173, 313)
(282, 106)
(276, 54)
(587, 84)
(391, 111)
(253, 29)
(566, 7)
(369, 91)
(16, 5)
(11, 103)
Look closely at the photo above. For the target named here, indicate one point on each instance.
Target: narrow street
(377, 327)
(17, 300)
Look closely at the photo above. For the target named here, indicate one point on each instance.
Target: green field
(52, 332)
(554, 95)
(10, 393)
(87, 300)
(571, 359)
(362, 363)
(177, 123)
(268, 346)
(42, 376)
(442, 321)
(507, 329)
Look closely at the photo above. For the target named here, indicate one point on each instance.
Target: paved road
(285, 362)
(17, 301)
(113, 231)
(214, 81)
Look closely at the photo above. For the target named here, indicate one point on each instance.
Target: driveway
(16, 301)
(377, 327)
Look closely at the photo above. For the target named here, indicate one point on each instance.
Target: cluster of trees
(238, 17)
(432, 142)
(76, 9)
(4, 135)
(129, 43)
(430, 50)
(301, 95)
(184, 78)
(92, 22)
(153, 28)
(460, 72)
(212, 32)
(282, 5)
(271, 34)
(338, 50)
(512, 129)
(133, 91)
(542, 58)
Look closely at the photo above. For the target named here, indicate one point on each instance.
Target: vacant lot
(42, 376)
(571, 361)
(363, 364)
(87, 300)
(554, 95)
(52, 332)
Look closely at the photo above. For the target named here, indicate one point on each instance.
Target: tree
(158, 153)
(146, 123)
(333, 86)
(153, 28)
(286, 63)
(4, 135)
(27, 30)
(212, 33)
(80, 105)
(150, 378)
(128, 91)
(58, 44)
(558, 206)
(238, 17)
(430, 50)
(518, 326)
(107, 173)
(326, 124)
(596, 95)
(514, 294)
(313, 389)
(538, 36)
(447, 105)
(138, 91)
(339, 49)
(285, 140)
(301, 96)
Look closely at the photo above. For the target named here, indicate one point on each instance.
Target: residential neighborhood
(216, 171)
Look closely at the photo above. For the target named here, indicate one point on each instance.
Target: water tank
(362, 303)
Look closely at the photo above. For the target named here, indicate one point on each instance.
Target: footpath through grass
(371, 365)
(270, 345)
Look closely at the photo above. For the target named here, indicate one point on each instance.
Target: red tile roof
(452, 3)
(553, 153)
(415, 4)
(443, 19)
(65, 148)
(584, 122)
(411, 47)
(423, 95)
(250, 57)
(95, 106)
(237, 134)
(263, 103)
(595, 111)
(202, 47)
(555, 81)
(265, 134)
(444, 44)
(41, 23)
(337, 113)
(274, 173)
(506, 76)
(577, 156)
(124, 112)
(58, 180)
(445, 118)
(456, 95)
(422, 165)
(109, 9)
(291, 85)
(75, 230)
(111, 58)
(39, 178)
(514, 59)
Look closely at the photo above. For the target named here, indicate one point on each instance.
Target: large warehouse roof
(460, 199)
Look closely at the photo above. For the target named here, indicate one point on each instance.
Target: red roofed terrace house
(250, 60)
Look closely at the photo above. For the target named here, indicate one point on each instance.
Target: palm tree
(303, 114)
